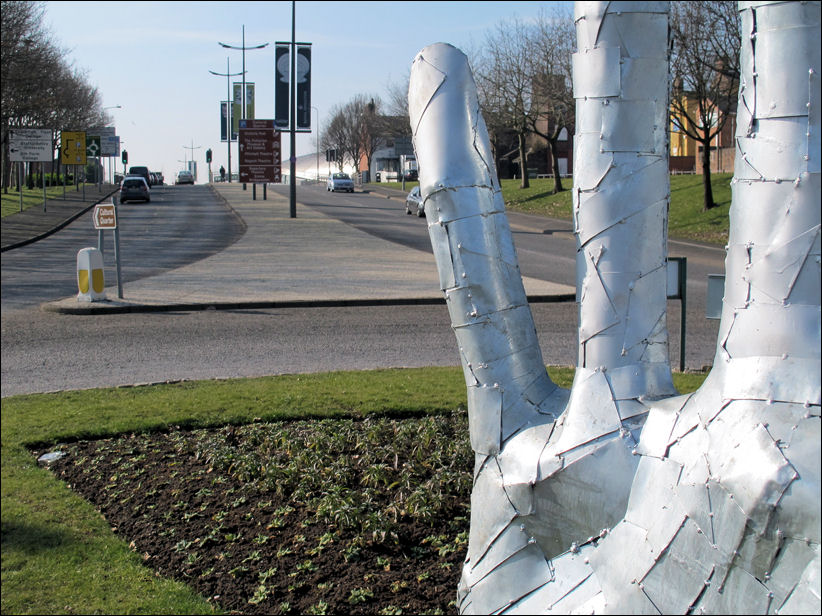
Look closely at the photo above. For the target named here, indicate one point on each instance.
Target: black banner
(282, 71)
(303, 86)
(224, 121)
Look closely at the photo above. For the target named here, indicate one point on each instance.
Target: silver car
(339, 181)
(413, 203)
(184, 177)
(134, 187)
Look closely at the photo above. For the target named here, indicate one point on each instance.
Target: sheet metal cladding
(621, 496)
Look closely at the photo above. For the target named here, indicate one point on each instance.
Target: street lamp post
(227, 75)
(243, 48)
(110, 172)
(192, 148)
(318, 141)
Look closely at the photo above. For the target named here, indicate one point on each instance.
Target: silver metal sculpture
(620, 496)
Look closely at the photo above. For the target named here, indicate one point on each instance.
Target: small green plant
(260, 594)
(360, 595)
(321, 607)
(254, 557)
(238, 571)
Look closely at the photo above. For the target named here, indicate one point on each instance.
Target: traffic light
(208, 155)
(125, 157)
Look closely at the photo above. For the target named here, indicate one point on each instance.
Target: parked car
(340, 181)
(142, 172)
(133, 188)
(184, 177)
(413, 202)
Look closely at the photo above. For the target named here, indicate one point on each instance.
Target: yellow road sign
(73, 147)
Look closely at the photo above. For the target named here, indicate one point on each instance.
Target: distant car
(413, 202)
(184, 177)
(141, 171)
(160, 178)
(134, 188)
(339, 181)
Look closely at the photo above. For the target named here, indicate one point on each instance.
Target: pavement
(310, 260)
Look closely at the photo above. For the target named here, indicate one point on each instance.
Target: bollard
(90, 277)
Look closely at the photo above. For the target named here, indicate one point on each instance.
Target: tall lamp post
(243, 48)
(318, 141)
(192, 147)
(110, 174)
(227, 75)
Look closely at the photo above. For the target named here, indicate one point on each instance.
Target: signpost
(260, 146)
(30, 145)
(73, 150)
(105, 218)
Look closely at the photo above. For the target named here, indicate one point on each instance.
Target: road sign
(105, 216)
(260, 146)
(28, 145)
(110, 145)
(93, 146)
(73, 147)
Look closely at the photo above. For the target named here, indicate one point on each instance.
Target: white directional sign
(30, 145)
(110, 145)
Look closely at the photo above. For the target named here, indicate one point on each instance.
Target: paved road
(182, 224)
(46, 351)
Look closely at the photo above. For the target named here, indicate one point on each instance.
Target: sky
(153, 60)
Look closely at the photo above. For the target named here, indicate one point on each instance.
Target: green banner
(249, 101)
(236, 110)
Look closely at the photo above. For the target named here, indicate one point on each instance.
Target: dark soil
(307, 517)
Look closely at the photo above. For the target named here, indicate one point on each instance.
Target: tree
(550, 67)
(335, 135)
(357, 130)
(620, 496)
(507, 86)
(705, 74)
(39, 88)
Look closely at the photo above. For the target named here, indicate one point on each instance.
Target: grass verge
(686, 219)
(10, 201)
(59, 554)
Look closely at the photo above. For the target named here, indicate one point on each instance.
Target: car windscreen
(132, 184)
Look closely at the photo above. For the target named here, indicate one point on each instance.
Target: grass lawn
(686, 219)
(59, 555)
(10, 201)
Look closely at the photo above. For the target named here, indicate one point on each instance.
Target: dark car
(142, 172)
(413, 202)
(134, 187)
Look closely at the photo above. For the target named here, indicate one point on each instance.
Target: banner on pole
(236, 110)
(225, 121)
(249, 100)
(282, 70)
(303, 79)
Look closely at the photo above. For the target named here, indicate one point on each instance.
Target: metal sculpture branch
(620, 496)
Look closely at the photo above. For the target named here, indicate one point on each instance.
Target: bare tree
(705, 74)
(372, 126)
(356, 130)
(335, 135)
(552, 45)
(39, 88)
(507, 87)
